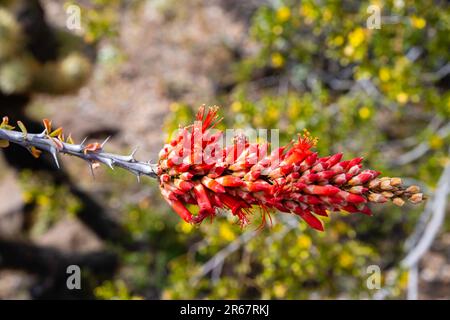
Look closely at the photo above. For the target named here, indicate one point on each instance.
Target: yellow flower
(356, 37)
(283, 14)
(167, 295)
(27, 197)
(304, 242)
(365, 113)
(346, 260)
(226, 233)
(403, 280)
(327, 15)
(258, 120)
(236, 106)
(384, 74)
(436, 142)
(308, 11)
(43, 200)
(349, 50)
(418, 22)
(402, 98)
(185, 227)
(279, 290)
(277, 60)
(273, 113)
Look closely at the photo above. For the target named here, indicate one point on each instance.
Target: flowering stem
(291, 179)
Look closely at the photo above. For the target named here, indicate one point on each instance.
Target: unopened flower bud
(398, 201)
(395, 182)
(387, 194)
(413, 189)
(386, 185)
(416, 198)
(376, 197)
(374, 183)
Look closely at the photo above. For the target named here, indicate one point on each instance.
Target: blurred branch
(42, 42)
(429, 233)
(51, 266)
(215, 264)
(422, 238)
(413, 283)
(420, 150)
(411, 141)
(46, 261)
(441, 73)
(438, 205)
(218, 259)
(289, 223)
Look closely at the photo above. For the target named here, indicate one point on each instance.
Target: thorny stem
(92, 153)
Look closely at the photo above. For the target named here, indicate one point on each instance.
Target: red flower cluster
(291, 179)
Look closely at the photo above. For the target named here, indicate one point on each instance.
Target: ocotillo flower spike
(194, 169)
(292, 179)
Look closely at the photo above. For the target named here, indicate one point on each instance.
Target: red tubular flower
(291, 179)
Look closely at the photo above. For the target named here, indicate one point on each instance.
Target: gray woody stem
(48, 144)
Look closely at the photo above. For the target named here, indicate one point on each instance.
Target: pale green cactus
(11, 36)
(16, 75)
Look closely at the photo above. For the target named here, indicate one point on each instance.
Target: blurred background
(368, 78)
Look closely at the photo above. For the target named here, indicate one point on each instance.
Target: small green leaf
(7, 127)
(56, 133)
(69, 139)
(35, 152)
(22, 128)
(4, 125)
